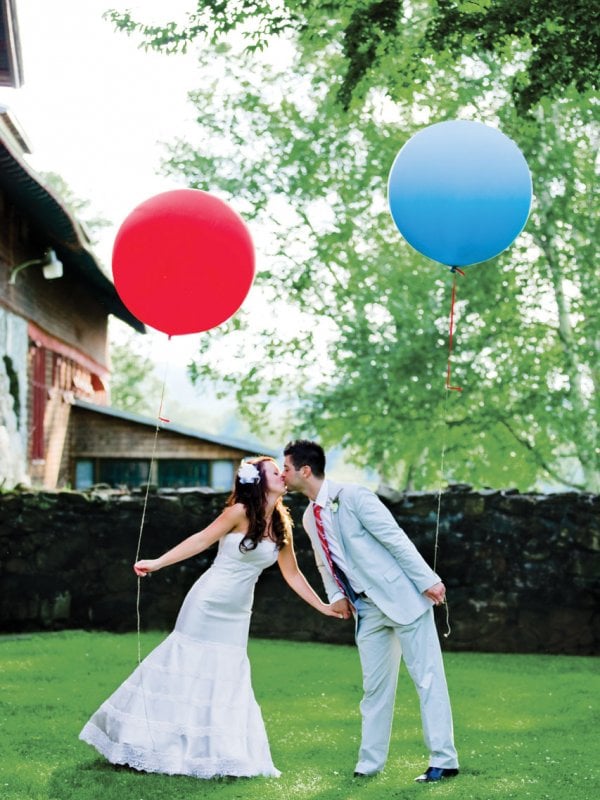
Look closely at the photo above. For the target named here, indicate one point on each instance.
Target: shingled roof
(51, 220)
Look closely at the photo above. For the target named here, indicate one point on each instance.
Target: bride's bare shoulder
(236, 516)
(237, 509)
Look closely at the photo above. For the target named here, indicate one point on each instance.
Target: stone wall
(521, 569)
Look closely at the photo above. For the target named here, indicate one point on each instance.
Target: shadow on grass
(97, 778)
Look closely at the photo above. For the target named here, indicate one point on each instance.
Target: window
(175, 473)
(115, 472)
(222, 475)
(180, 472)
(11, 68)
(123, 472)
(84, 473)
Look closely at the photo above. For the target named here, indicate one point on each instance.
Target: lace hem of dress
(150, 761)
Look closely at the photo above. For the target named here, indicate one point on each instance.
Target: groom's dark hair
(303, 452)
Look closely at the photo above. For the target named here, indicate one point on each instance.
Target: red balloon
(183, 261)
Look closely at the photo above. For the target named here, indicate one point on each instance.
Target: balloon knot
(457, 269)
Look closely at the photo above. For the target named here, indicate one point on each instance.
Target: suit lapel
(335, 492)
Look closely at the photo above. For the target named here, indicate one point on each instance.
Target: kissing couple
(189, 708)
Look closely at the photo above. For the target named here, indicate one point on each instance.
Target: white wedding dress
(189, 708)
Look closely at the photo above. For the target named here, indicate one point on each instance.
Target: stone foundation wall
(522, 570)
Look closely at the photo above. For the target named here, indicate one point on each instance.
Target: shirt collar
(323, 496)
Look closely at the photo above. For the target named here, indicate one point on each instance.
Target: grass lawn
(526, 726)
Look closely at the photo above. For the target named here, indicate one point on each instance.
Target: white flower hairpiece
(248, 473)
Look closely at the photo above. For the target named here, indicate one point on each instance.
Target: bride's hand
(145, 567)
(340, 609)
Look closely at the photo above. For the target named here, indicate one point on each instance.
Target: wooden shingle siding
(97, 435)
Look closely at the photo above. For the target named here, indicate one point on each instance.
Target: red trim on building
(44, 339)
(39, 399)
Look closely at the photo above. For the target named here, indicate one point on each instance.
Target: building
(54, 307)
(11, 67)
(112, 447)
(56, 425)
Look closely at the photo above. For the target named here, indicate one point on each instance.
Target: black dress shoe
(360, 775)
(436, 774)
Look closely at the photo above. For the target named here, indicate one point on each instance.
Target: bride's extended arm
(296, 581)
(228, 520)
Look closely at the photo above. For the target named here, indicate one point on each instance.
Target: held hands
(339, 609)
(145, 567)
(436, 593)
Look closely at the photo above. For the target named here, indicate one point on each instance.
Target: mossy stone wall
(522, 570)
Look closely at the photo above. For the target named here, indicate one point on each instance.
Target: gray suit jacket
(379, 555)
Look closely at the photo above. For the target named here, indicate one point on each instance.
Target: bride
(189, 708)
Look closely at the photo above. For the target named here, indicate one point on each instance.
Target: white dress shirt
(335, 548)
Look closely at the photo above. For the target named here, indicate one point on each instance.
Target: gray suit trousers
(382, 643)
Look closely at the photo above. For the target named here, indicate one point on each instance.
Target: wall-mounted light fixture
(51, 266)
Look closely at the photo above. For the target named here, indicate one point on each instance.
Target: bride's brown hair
(253, 496)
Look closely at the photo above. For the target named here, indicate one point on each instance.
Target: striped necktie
(324, 543)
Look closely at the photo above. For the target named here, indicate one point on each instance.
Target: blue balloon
(460, 192)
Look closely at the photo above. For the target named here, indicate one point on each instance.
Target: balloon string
(159, 419)
(454, 270)
(439, 508)
(439, 498)
(448, 388)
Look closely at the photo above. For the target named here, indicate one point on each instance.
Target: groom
(369, 565)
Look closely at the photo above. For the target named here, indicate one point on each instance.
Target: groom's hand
(342, 607)
(437, 593)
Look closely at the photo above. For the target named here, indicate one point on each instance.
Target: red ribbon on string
(160, 410)
(454, 270)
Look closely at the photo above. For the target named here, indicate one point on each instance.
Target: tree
(561, 148)
(317, 178)
(365, 353)
(78, 207)
(557, 42)
(551, 44)
(134, 385)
